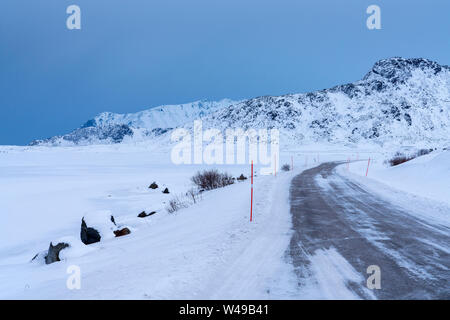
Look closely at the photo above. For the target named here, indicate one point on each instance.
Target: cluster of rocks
(88, 235)
(154, 186)
(91, 234)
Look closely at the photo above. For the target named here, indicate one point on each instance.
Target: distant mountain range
(399, 101)
(110, 127)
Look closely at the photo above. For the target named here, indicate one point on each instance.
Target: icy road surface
(341, 229)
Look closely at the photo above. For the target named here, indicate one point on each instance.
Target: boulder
(153, 186)
(166, 190)
(53, 252)
(89, 235)
(144, 214)
(122, 232)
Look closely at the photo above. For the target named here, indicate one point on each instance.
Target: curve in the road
(331, 213)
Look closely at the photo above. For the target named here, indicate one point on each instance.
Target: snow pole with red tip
(368, 164)
(251, 196)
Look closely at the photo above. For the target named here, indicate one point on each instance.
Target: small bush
(286, 167)
(211, 179)
(400, 158)
(193, 195)
(175, 204)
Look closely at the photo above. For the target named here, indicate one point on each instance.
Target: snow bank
(426, 176)
(422, 184)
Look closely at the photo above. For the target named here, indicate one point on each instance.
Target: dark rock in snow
(113, 220)
(88, 235)
(242, 177)
(153, 186)
(53, 252)
(144, 214)
(166, 190)
(122, 232)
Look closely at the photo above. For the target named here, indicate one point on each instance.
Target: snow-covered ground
(209, 250)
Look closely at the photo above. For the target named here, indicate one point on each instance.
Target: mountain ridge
(398, 100)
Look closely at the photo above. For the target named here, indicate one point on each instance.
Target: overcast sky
(135, 54)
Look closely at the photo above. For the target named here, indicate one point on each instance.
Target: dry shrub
(212, 179)
(175, 204)
(400, 158)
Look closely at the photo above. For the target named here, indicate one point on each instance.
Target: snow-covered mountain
(163, 117)
(110, 127)
(399, 101)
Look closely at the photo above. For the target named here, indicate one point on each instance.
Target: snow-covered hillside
(399, 101)
(110, 127)
(163, 117)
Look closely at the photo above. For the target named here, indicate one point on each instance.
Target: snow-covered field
(209, 250)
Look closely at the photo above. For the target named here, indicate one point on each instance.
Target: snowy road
(341, 229)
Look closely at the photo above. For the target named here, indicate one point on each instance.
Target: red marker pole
(368, 164)
(251, 198)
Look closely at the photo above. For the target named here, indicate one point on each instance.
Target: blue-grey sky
(135, 54)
